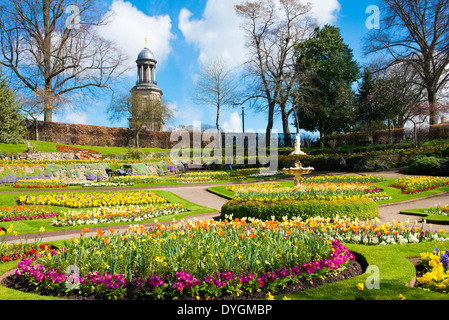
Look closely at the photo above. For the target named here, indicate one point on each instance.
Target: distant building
(146, 95)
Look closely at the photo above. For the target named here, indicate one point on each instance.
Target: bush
(422, 164)
(361, 209)
(134, 154)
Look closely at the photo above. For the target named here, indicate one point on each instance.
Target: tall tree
(272, 30)
(12, 130)
(48, 50)
(416, 32)
(217, 87)
(368, 114)
(332, 71)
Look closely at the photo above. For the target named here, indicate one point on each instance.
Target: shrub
(134, 154)
(361, 209)
(422, 164)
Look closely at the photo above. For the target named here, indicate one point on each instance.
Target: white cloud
(234, 124)
(217, 34)
(129, 27)
(76, 117)
(325, 11)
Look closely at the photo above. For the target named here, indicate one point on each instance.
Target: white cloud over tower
(128, 28)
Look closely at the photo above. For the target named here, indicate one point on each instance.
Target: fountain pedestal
(298, 170)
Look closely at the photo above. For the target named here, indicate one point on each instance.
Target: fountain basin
(298, 173)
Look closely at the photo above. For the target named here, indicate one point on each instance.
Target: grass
(431, 218)
(51, 147)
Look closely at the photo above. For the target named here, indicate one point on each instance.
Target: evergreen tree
(12, 130)
(369, 114)
(331, 70)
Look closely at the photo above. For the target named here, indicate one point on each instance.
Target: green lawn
(51, 147)
(431, 218)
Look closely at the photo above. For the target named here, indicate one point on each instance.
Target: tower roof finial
(146, 42)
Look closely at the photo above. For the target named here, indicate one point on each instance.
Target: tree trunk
(270, 123)
(431, 97)
(322, 133)
(36, 129)
(218, 127)
(137, 139)
(47, 58)
(286, 127)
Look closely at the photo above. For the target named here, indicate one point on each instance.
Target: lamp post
(243, 119)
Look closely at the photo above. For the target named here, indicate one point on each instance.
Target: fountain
(298, 170)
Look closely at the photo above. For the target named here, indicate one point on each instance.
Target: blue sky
(181, 34)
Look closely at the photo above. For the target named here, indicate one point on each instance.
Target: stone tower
(146, 95)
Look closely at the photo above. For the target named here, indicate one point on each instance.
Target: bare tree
(149, 111)
(52, 46)
(272, 31)
(216, 86)
(416, 32)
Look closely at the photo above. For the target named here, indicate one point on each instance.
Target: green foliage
(327, 92)
(11, 129)
(422, 164)
(141, 168)
(362, 209)
(134, 154)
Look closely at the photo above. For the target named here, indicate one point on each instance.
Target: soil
(354, 268)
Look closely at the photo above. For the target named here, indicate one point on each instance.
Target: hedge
(361, 209)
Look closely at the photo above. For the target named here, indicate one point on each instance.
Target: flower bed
(205, 259)
(306, 191)
(346, 178)
(436, 271)
(135, 179)
(17, 213)
(40, 183)
(197, 259)
(94, 199)
(117, 214)
(440, 210)
(19, 251)
(84, 153)
(410, 185)
(207, 176)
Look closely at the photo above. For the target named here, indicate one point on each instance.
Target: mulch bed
(354, 268)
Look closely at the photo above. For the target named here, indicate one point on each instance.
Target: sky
(184, 33)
